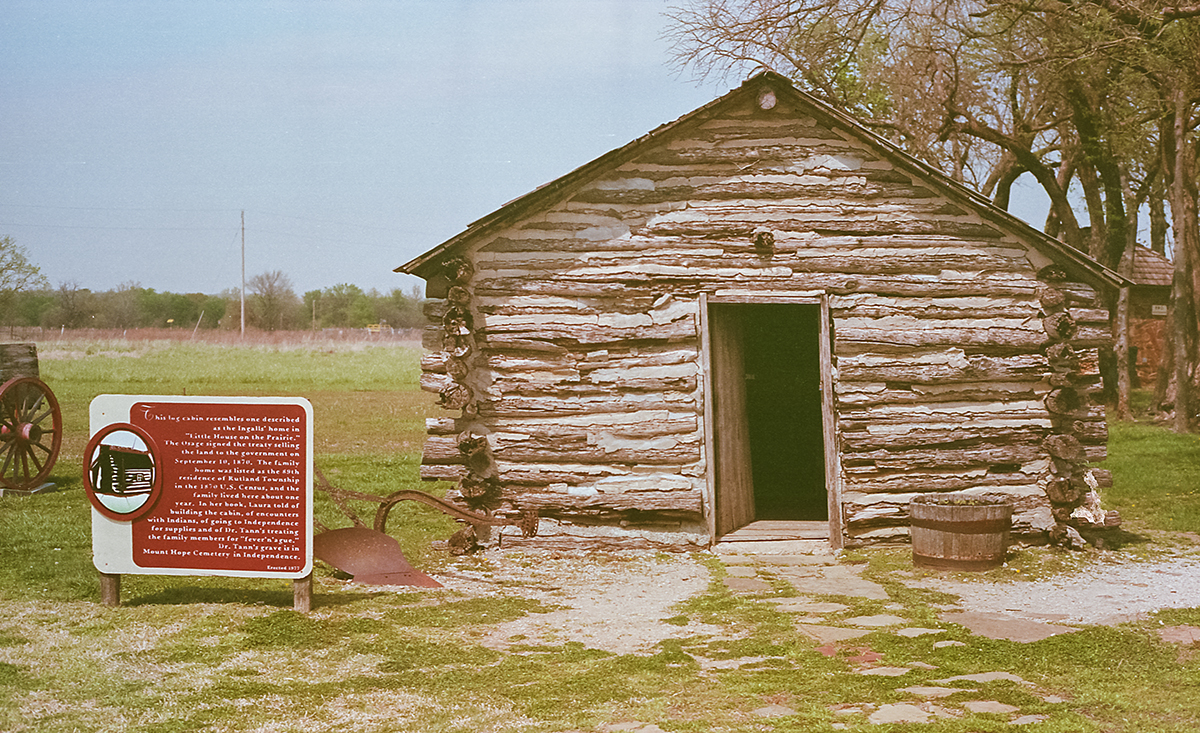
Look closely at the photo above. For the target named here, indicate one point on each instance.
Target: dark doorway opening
(782, 369)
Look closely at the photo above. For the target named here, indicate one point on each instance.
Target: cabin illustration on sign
(764, 320)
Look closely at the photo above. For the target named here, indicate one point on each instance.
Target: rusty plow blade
(372, 557)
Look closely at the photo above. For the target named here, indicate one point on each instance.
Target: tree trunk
(1187, 244)
(1121, 314)
(1121, 326)
(1166, 368)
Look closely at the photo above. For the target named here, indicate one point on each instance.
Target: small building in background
(1149, 297)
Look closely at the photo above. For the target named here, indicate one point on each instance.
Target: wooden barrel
(959, 531)
(18, 360)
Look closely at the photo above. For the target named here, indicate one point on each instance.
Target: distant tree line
(271, 305)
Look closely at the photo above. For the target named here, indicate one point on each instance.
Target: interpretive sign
(201, 485)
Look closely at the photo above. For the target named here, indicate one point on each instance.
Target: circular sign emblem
(121, 472)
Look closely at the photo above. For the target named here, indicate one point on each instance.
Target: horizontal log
(920, 435)
(994, 457)
(1090, 336)
(446, 425)
(443, 472)
(503, 388)
(514, 406)
(1081, 294)
(887, 339)
(785, 241)
(979, 308)
(523, 336)
(1095, 316)
(890, 418)
(717, 224)
(1065, 448)
(742, 256)
(643, 283)
(617, 359)
(732, 159)
(874, 394)
(683, 270)
(563, 504)
(433, 338)
(857, 536)
(928, 482)
(681, 425)
(502, 342)
(518, 305)
(775, 187)
(435, 383)
(1090, 432)
(516, 476)
(434, 362)
(435, 309)
(668, 311)
(947, 366)
(662, 450)
(802, 130)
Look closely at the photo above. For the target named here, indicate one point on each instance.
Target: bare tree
(273, 300)
(73, 307)
(980, 90)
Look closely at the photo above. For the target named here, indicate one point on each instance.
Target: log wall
(569, 349)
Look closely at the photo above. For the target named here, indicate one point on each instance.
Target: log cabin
(761, 319)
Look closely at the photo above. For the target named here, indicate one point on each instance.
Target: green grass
(228, 654)
(1156, 476)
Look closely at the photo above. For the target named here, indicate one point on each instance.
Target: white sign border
(112, 541)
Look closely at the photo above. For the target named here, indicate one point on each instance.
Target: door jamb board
(833, 472)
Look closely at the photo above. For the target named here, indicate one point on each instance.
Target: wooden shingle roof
(1149, 267)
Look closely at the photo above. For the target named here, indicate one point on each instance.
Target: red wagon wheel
(30, 433)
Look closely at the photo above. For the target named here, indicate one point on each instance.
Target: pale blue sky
(354, 134)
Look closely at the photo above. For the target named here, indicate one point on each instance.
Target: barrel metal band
(979, 526)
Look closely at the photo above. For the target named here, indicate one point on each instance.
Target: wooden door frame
(833, 474)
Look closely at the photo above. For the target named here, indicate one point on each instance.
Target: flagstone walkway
(914, 648)
(817, 573)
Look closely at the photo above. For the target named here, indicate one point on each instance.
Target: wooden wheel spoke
(29, 410)
(8, 456)
(29, 456)
(12, 465)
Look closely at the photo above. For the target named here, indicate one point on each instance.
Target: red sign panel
(238, 493)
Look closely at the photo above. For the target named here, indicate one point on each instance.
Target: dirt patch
(618, 603)
(1110, 591)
